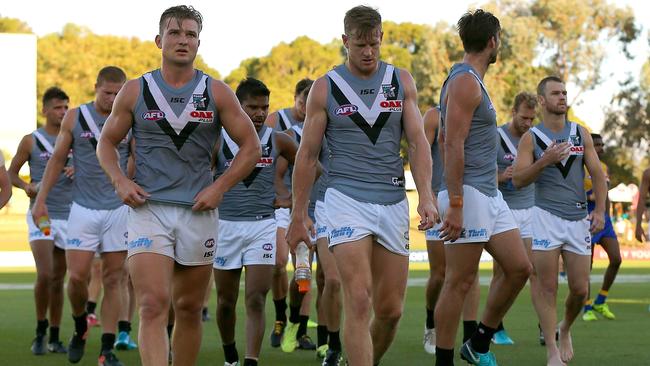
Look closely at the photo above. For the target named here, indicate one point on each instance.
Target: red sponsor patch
(202, 116)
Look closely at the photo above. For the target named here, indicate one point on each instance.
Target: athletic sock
(334, 341)
(500, 326)
(444, 357)
(124, 326)
(90, 307)
(170, 330)
(54, 334)
(204, 312)
(601, 298)
(280, 309)
(302, 327)
(80, 324)
(294, 314)
(430, 323)
(321, 335)
(41, 327)
(480, 341)
(230, 352)
(469, 328)
(588, 305)
(250, 362)
(108, 339)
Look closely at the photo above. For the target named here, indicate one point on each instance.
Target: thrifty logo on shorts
(140, 243)
(345, 231)
(474, 233)
(541, 243)
(221, 261)
(321, 230)
(75, 242)
(38, 233)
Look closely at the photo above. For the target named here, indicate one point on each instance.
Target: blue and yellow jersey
(589, 187)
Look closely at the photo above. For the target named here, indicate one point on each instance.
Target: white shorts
(58, 231)
(184, 235)
(483, 216)
(552, 232)
(96, 230)
(282, 217)
(244, 243)
(433, 234)
(350, 220)
(321, 220)
(524, 219)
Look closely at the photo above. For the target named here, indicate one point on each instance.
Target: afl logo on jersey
(153, 115)
(346, 110)
(509, 157)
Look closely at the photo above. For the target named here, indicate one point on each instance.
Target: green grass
(599, 343)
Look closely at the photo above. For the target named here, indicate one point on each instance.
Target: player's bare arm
(419, 153)
(599, 181)
(639, 234)
(272, 120)
(431, 119)
(55, 164)
(463, 97)
(17, 162)
(117, 126)
(305, 167)
(526, 169)
(238, 126)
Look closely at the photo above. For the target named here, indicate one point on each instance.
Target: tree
(13, 25)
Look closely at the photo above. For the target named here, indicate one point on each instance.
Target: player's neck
(360, 73)
(51, 129)
(478, 62)
(294, 114)
(101, 111)
(177, 76)
(513, 131)
(554, 122)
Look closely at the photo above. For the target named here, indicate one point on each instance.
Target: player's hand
(452, 226)
(428, 211)
(505, 175)
(39, 209)
(300, 229)
(282, 201)
(555, 153)
(208, 199)
(597, 221)
(69, 172)
(31, 190)
(130, 193)
(639, 234)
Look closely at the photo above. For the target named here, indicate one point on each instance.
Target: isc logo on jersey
(346, 110)
(391, 105)
(202, 116)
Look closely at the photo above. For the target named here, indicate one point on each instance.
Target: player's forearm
(304, 176)
(420, 158)
(17, 181)
(600, 190)
(522, 177)
(109, 158)
(242, 165)
(51, 175)
(5, 189)
(454, 167)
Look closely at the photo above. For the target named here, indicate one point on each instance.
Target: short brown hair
(541, 87)
(361, 20)
(180, 13)
(526, 98)
(302, 86)
(111, 74)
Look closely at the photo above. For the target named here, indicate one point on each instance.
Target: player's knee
(255, 302)
(280, 266)
(389, 312)
(579, 291)
(523, 271)
(359, 304)
(437, 277)
(188, 308)
(44, 278)
(615, 261)
(461, 284)
(112, 279)
(153, 307)
(77, 278)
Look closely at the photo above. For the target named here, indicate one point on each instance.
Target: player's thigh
(390, 273)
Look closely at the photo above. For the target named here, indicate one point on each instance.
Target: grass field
(623, 341)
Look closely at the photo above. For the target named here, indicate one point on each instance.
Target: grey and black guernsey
(480, 170)
(285, 122)
(559, 188)
(252, 198)
(60, 198)
(364, 128)
(318, 190)
(92, 187)
(175, 131)
(517, 199)
(436, 158)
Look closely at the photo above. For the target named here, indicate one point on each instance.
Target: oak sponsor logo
(202, 116)
(391, 105)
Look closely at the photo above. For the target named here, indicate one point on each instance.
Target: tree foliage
(13, 25)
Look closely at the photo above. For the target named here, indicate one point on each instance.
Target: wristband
(456, 201)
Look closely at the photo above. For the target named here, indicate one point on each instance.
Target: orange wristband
(456, 201)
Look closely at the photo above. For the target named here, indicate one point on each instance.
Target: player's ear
(158, 41)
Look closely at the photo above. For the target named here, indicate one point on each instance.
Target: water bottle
(303, 268)
(44, 225)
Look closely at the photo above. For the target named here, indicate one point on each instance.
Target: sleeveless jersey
(559, 189)
(364, 128)
(285, 122)
(60, 197)
(320, 185)
(252, 198)
(92, 187)
(175, 131)
(589, 187)
(436, 158)
(480, 146)
(517, 199)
